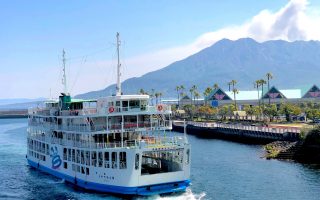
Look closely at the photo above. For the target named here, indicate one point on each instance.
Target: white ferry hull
(146, 190)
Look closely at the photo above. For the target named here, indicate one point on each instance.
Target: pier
(239, 132)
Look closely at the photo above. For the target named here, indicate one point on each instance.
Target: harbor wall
(255, 136)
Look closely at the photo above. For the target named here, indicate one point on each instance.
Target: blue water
(220, 170)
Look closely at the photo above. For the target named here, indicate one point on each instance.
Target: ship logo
(56, 160)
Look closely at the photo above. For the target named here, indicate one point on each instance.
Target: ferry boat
(118, 144)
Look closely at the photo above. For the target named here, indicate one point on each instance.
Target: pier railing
(247, 127)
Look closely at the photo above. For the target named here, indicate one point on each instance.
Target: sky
(153, 35)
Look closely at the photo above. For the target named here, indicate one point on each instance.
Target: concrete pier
(239, 132)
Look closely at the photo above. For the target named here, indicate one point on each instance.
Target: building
(219, 97)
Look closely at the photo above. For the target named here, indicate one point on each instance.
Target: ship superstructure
(119, 144)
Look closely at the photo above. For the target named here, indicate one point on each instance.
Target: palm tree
(206, 93)
(151, 96)
(192, 91)
(196, 96)
(233, 83)
(178, 92)
(262, 82)
(156, 95)
(257, 85)
(160, 95)
(142, 91)
(269, 76)
(215, 86)
(235, 91)
(229, 84)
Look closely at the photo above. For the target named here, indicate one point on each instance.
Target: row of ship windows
(96, 159)
(38, 146)
(89, 158)
(37, 155)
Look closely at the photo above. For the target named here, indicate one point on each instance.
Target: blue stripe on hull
(141, 190)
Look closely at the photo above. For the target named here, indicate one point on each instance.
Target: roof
(274, 93)
(218, 94)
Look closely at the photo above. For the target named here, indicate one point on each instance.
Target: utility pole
(118, 67)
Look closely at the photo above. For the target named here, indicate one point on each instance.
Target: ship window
(117, 103)
(106, 160)
(123, 160)
(78, 156)
(137, 161)
(78, 168)
(100, 159)
(73, 155)
(69, 154)
(47, 149)
(65, 165)
(82, 157)
(64, 153)
(94, 158)
(73, 167)
(124, 103)
(114, 159)
(82, 170)
(134, 104)
(87, 171)
(88, 158)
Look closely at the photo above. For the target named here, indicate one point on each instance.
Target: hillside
(293, 64)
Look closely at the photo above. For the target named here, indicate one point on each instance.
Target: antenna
(118, 67)
(64, 78)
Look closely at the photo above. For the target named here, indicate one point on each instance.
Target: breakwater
(17, 113)
(239, 132)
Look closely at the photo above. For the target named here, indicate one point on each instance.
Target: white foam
(188, 195)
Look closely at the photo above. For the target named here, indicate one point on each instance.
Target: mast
(64, 78)
(118, 67)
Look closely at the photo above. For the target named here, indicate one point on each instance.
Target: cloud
(295, 21)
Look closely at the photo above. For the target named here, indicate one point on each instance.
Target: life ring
(159, 107)
(111, 109)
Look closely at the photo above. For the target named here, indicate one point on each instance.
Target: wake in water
(188, 195)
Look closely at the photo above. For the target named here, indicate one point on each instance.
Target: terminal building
(220, 97)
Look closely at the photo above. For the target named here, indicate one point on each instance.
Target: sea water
(219, 170)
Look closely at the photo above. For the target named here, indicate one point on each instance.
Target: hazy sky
(153, 33)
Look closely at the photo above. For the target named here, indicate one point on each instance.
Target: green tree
(206, 94)
(262, 82)
(178, 93)
(289, 109)
(269, 77)
(141, 91)
(196, 96)
(271, 111)
(235, 91)
(233, 82)
(215, 86)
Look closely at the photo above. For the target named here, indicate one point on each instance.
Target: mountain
(293, 64)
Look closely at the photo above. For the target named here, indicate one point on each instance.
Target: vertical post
(122, 132)
(185, 130)
(118, 67)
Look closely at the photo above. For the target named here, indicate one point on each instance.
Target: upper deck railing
(160, 108)
(157, 125)
(147, 142)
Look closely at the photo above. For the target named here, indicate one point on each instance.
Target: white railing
(91, 127)
(246, 127)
